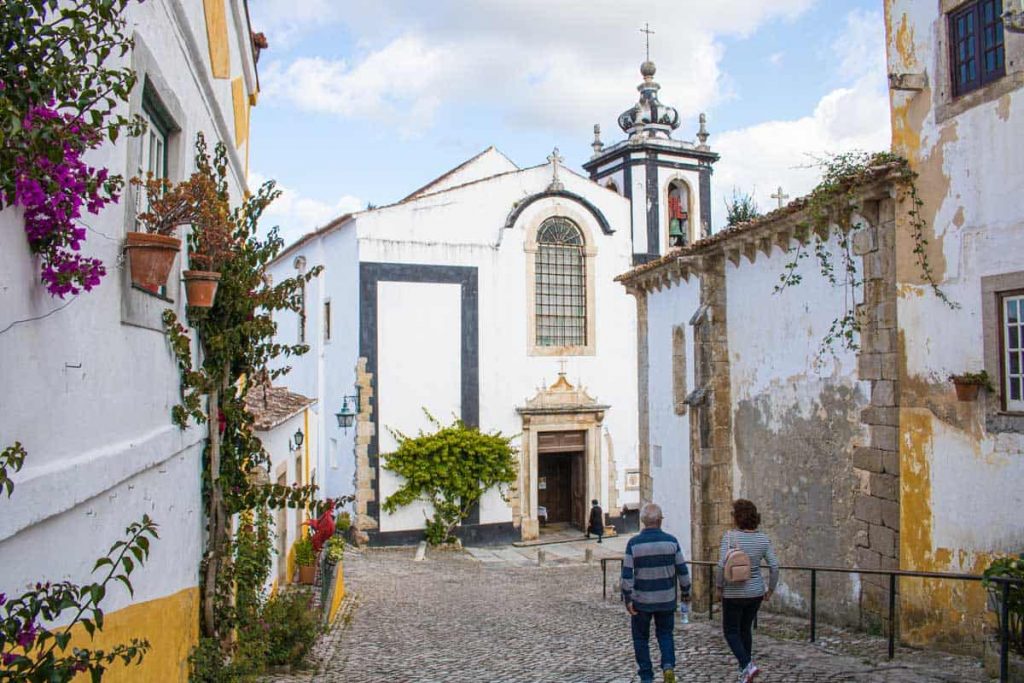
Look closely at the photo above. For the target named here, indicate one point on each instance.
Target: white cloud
(286, 21)
(542, 64)
(776, 58)
(295, 214)
(760, 158)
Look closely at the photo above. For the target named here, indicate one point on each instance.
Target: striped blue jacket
(652, 564)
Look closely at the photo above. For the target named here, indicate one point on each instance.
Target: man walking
(652, 564)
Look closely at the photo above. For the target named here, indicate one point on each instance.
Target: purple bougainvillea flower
(8, 658)
(27, 635)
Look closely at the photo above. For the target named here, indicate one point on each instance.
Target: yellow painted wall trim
(171, 624)
(241, 107)
(217, 37)
(339, 593)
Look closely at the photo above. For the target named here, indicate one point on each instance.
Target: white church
(489, 294)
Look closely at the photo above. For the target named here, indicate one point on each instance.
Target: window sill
(155, 295)
(949, 106)
(588, 350)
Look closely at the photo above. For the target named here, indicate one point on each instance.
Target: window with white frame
(561, 284)
(152, 154)
(1012, 331)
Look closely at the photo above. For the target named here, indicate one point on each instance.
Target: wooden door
(554, 479)
(579, 491)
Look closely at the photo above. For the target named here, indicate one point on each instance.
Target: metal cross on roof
(555, 159)
(647, 30)
(780, 196)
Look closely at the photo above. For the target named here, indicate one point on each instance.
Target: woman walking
(741, 585)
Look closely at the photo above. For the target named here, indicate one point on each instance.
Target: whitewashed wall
(669, 432)
(90, 396)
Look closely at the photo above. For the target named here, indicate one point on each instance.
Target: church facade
(489, 295)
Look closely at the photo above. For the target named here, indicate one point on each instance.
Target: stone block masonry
(365, 474)
(876, 507)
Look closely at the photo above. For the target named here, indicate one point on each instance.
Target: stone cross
(780, 196)
(647, 30)
(554, 159)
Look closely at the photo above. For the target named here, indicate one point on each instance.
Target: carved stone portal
(558, 408)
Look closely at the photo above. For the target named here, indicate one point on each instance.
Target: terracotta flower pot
(966, 392)
(307, 575)
(201, 287)
(151, 258)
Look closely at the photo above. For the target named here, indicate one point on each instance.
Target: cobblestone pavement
(456, 619)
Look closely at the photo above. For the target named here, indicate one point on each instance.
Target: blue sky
(366, 103)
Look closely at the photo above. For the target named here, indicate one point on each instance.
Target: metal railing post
(711, 592)
(1004, 635)
(814, 605)
(604, 579)
(892, 616)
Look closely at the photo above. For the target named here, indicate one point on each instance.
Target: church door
(562, 477)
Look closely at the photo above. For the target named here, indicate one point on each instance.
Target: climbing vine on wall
(236, 339)
(450, 468)
(831, 207)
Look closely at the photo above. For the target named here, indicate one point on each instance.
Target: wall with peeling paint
(796, 409)
(962, 463)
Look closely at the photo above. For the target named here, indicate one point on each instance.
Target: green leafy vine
(830, 208)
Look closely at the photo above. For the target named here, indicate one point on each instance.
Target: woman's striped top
(759, 548)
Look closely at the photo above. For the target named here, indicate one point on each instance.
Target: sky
(365, 102)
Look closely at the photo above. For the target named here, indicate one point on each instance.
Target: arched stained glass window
(561, 289)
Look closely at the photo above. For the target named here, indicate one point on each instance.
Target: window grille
(561, 301)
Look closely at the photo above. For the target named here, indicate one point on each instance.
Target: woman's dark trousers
(738, 616)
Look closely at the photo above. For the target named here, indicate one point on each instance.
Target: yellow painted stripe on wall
(217, 37)
(241, 106)
(339, 593)
(171, 624)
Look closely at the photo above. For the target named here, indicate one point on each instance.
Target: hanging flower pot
(201, 287)
(151, 257)
(968, 384)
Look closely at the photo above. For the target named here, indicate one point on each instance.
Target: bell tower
(667, 181)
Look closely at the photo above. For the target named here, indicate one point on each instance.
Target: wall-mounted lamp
(347, 415)
(297, 440)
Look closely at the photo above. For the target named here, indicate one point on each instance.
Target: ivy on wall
(831, 207)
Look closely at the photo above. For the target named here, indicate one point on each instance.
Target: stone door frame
(588, 420)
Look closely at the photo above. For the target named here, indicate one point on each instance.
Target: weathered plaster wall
(796, 423)
(961, 463)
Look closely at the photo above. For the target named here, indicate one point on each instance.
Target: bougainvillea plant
(58, 100)
(31, 648)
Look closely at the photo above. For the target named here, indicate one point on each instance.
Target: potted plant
(335, 549)
(151, 250)
(967, 384)
(209, 242)
(1010, 568)
(305, 560)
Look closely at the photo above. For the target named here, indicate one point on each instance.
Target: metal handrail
(1004, 582)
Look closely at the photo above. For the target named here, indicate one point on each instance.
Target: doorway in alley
(561, 477)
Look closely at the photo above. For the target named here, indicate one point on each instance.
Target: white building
(470, 296)
(88, 388)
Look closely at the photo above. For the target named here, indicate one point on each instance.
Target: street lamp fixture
(347, 415)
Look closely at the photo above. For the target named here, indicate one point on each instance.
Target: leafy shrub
(343, 522)
(335, 549)
(305, 556)
(1010, 568)
(290, 626)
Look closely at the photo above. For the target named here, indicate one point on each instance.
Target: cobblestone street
(456, 619)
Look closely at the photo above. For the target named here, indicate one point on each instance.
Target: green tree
(741, 208)
(450, 468)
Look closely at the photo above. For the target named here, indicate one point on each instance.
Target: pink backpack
(737, 563)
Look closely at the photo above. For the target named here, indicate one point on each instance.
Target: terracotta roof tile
(270, 406)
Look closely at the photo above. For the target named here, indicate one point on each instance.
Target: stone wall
(876, 508)
(366, 492)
